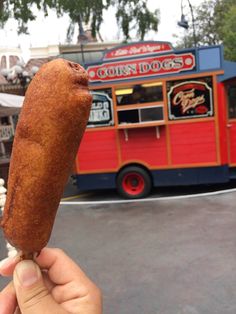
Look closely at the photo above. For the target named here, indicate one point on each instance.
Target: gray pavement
(162, 257)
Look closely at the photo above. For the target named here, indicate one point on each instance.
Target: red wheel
(134, 182)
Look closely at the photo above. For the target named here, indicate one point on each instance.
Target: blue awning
(229, 71)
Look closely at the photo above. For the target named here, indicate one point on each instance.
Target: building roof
(3, 80)
(10, 104)
(37, 62)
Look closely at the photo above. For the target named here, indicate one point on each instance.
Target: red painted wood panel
(193, 143)
(232, 141)
(98, 151)
(144, 146)
(222, 119)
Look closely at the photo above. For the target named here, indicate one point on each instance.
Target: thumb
(32, 295)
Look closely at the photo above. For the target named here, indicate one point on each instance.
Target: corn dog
(51, 124)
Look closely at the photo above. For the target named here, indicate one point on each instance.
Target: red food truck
(160, 117)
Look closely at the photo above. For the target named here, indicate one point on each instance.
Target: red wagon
(160, 117)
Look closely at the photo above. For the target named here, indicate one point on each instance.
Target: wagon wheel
(133, 182)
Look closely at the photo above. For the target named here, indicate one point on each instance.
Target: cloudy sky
(51, 30)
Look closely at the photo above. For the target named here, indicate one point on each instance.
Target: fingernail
(28, 273)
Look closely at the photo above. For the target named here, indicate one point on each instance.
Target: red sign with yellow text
(138, 68)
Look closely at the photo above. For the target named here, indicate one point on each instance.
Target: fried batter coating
(50, 128)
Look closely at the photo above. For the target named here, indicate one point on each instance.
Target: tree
(214, 24)
(229, 34)
(135, 12)
(205, 26)
(19, 10)
(130, 14)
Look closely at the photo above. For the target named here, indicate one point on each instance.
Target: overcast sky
(52, 30)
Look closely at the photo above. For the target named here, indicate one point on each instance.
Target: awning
(229, 71)
(10, 104)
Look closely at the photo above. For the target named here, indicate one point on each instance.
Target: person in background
(138, 95)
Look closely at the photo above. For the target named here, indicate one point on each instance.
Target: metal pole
(193, 23)
(182, 7)
(82, 52)
(2, 149)
(82, 37)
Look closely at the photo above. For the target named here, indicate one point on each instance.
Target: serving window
(141, 115)
(139, 94)
(140, 104)
(231, 91)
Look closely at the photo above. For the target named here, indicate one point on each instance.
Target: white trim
(152, 199)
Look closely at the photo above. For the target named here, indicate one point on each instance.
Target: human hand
(60, 287)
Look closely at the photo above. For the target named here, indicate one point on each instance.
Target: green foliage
(215, 23)
(229, 34)
(18, 9)
(135, 12)
(130, 14)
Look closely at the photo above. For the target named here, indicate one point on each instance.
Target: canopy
(10, 104)
(229, 71)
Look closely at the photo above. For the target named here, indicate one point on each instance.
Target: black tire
(133, 182)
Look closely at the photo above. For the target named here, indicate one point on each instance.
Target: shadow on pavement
(72, 193)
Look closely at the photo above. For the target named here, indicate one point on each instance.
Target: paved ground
(162, 257)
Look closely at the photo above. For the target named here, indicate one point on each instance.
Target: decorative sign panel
(137, 49)
(140, 68)
(190, 99)
(101, 113)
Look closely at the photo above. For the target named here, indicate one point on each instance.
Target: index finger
(8, 265)
(8, 301)
(61, 269)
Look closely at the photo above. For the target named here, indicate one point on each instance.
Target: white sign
(101, 113)
(6, 132)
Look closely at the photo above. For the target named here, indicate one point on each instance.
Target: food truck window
(232, 101)
(128, 116)
(4, 120)
(141, 115)
(190, 98)
(139, 94)
(101, 113)
(151, 114)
